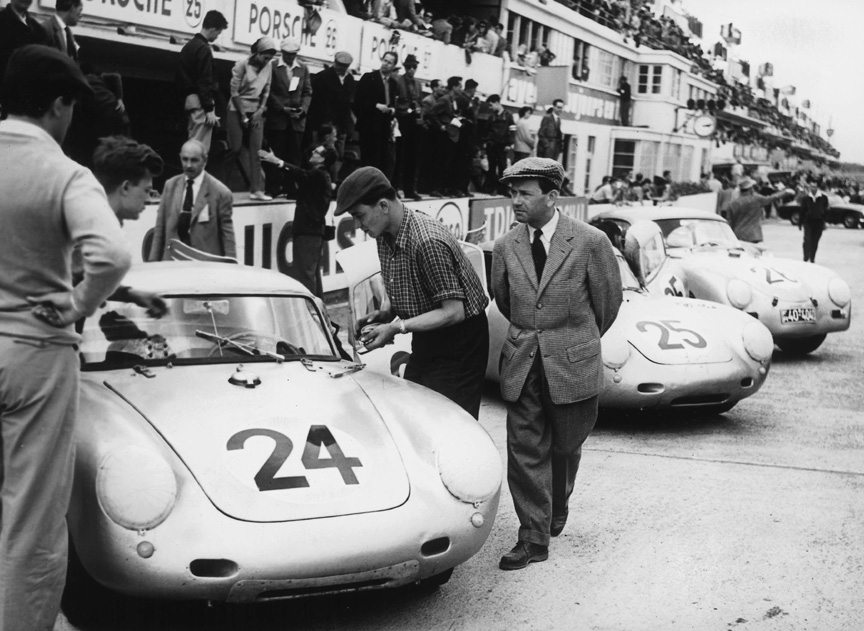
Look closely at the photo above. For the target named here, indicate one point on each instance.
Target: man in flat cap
(50, 207)
(287, 105)
(434, 292)
(744, 214)
(332, 97)
(556, 280)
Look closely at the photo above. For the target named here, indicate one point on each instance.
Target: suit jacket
(563, 316)
(282, 97)
(332, 100)
(549, 137)
(814, 211)
(212, 229)
(56, 37)
(370, 91)
(14, 34)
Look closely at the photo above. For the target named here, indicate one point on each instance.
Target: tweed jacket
(212, 229)
(563, 316)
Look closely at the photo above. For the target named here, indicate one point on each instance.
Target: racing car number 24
(319, 435)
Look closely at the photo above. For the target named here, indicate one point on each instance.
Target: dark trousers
(452, 361)
(497, 155)
(544, 447)
(306, 266)
(407, 153)
(460, 174)
(812, 234)
(625, 113)
(285, 143)
(376, 150)
(443, 156)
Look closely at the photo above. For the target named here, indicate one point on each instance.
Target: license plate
(798, 314)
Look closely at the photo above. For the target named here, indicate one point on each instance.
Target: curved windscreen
(680, 233)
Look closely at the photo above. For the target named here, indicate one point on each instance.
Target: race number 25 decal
(667, 329)
(319, 436)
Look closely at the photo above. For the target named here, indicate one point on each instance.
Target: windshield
(200, 329)
(628, 280)
(693, 232)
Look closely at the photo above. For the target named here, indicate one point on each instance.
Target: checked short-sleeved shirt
(424, 265)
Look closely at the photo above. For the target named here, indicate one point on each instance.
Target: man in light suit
(195, 209)
(67, 13)
(549, 138)
(556, 280)
(287, 105)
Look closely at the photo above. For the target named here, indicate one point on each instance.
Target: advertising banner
(495, 215)
(280, 19)
(182, 16)
(591, 106)
(520, 88)
(377, 40)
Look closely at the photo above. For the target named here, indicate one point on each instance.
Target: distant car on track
(799, 302)
(226, 452)
(839, 212)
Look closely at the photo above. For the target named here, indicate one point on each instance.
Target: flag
(789, 89)
(766, 70)
(806, 104)
(731, 34)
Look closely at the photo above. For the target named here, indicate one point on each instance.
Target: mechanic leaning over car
(49, 205)
(434, 292)
(745, 213)
(557, 281)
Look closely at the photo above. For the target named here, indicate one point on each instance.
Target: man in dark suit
(549, 137)
(408, 111)
(556, 280)
(67, 13)
(18, 28)
(375, 107)
(287, 106)
(195, 209)
(814, 209)
(443, 127)
(332, 98)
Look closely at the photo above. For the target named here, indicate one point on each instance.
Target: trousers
(38, 404)
(812, 234)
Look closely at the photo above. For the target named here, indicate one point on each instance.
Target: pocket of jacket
(583, 351)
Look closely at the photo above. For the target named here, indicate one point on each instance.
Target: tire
(800, 345)
(850, 221)
(795, 217)
(437, 580)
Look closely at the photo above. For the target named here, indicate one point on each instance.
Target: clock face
(704, 125)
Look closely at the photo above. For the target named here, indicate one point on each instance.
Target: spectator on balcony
(467, 105)
(406, 13)
(358, 9)
(502, 44)
(497, 137)
(487, 40)
(545, 56)
(442, 29)
(523, 144)
(550, 139)
(625, 100)
(443, 131)
(375, 108)
(332, 99)
(408, 116)
(250, 89)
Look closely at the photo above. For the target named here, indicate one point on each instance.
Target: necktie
(185, 220)
(538, 253)
(70, 45)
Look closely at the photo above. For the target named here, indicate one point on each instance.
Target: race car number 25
(671, 336)
(319, 436)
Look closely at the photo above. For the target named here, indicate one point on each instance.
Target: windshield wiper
(246, 348)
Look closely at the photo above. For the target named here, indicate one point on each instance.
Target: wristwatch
(402, 328)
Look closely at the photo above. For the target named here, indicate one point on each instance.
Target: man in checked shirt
(434, 292)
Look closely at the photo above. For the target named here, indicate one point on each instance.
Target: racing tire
(715, 410)
(436, 580)
(799, 346)
(795, 217)
(850, 221)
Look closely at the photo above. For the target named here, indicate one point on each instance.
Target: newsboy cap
(746, 184)
(36, 71)
(365, 182)
(289, 45)
(343, 57)
(536, 168)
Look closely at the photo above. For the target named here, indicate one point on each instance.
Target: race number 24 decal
(319, 435)
(668, 332)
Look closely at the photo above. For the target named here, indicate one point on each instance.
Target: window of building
(623, 158)
(648, 158)
(676, 84)
(606, 68)
(589, 159)
(581, 52)
(650, 79)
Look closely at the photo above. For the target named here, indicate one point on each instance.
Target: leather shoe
(522, 554)
(558, 523)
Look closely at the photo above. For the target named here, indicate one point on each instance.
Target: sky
(815, 45)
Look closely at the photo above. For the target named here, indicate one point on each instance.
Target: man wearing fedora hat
(745, 213)
(408, 109)
(556, 280)
(434, 292)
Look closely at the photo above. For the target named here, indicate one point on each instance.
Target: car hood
(300, 445)
(674, 331)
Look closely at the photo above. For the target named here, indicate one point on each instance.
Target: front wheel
(795, 217)
(850, 221)
(801, 345)
(437, 580)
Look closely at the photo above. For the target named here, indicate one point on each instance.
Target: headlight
(136, 487)
(758, 341)
(839, 292)
(615, 351)
(739, 293)
(470, 468)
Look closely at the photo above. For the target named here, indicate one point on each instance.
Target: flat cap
(536, 168)
(343, 57)
(36, 70)
(746, 184)
(365, 182)
(289, 45)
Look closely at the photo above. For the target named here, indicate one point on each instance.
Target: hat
(289, 45)
(363, 183)
(266, 43)
(35, 70)
(343, 58)
(746, 184)
(410, 60)
(536, 168)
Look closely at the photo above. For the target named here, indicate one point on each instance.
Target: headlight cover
(839, 292)
(136, 487)
(615, 351)
(470, 468)
(758, 341)
(739, 293)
